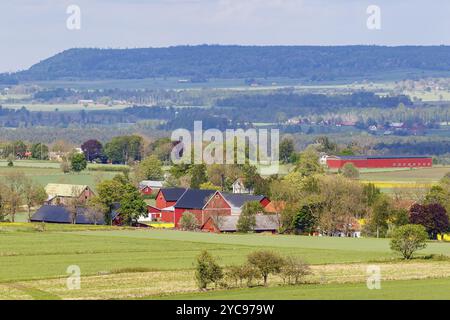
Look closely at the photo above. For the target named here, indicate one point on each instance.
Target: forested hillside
(198, 63)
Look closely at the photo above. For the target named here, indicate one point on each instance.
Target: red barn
(167, 197)
(193, 201)
(337, 162)
(224, 204)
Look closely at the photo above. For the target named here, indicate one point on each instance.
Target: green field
(424, 175)
(45, 172)
(436, 289)
(129, 263)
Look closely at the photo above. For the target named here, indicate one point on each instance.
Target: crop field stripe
(398, 290)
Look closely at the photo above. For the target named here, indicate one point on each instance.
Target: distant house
(59, 214)
(264, 223)
(153, 214)
(60, 194)
(57, 156)
(148, 187)
(351, 229)
(239, 187)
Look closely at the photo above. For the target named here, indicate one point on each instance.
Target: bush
(408, 239)
(65, 167)
(78, 162)
(266, 262)
(41, 227)
(207, 270)
(293, 270)
(188, 222)
(239, 274)
(350, 171)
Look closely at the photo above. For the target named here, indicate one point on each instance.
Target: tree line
(312, 63)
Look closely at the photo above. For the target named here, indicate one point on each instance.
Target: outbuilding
(337, 162)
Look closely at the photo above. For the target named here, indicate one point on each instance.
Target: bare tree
(13, 193)
(95, 211)
(73, 204)
(34, 194)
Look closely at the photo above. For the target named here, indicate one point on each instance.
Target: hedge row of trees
(259, 266)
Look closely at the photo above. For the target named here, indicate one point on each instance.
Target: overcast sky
(32, 30)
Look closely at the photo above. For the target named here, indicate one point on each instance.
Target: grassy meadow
(433, 289)
(45, 172)
(152, 264)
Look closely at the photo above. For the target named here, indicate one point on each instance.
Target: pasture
(129, 263)
(45, 172)
(432, 289)
(413, 175)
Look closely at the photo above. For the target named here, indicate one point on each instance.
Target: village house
(163, 209)
(149, 187)
(239, 187)
(61, 194)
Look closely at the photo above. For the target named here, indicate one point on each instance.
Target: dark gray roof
(194, 199)
(172, 194)
(59, 214)
(238, 200)
(263, 223)
(380, 157)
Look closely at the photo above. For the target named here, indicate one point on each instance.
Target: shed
(264, 223)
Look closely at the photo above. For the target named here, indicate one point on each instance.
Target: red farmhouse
(336, 162)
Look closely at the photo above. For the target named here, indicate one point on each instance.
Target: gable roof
(263, 223)
(172, 194)
(59, 214)
(194, 199)
(64, 190)
(151, 184)
(239, 180)
(238, 200)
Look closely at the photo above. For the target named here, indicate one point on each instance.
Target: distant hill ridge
(228, 62)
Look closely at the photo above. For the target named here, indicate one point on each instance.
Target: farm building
(232, 203)
(204, 204)
(60, 194)
(337, 162)
(154, 213)
(167, 197)
(148, 187)
(193, 201)
(264, 223)
(59, 214)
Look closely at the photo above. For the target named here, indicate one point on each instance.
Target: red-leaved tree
(432, 216)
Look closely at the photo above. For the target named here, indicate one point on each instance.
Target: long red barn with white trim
(337, 162)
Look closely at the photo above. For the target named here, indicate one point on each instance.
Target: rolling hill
(198, 63)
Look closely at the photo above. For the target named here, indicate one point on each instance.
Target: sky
(33, 30)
